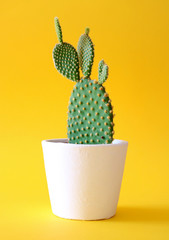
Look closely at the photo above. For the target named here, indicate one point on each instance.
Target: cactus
(90, 113)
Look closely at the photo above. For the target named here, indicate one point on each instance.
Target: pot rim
(65, 141)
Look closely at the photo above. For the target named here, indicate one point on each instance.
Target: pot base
(81, 219)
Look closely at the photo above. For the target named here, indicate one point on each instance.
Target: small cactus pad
(85, 51)
(66, 61)
(58, 30)
(90, 114)
(103, 72)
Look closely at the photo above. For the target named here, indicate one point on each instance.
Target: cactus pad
(103, 72)
(90, 114)
(66, 61)
(58, 30)
(85, 51)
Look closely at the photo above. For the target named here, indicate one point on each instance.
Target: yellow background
(133, 38)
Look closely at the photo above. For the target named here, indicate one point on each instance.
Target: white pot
(84, 180)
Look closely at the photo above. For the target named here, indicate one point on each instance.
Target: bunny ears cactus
(90, 113)
(67, 60)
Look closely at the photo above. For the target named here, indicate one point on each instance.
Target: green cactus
(90, 113)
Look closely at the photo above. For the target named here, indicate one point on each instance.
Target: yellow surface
(133, 38)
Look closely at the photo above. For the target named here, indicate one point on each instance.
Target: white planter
(84, 180)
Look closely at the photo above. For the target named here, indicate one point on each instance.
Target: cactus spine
(90, 113)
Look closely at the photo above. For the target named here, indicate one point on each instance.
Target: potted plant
(84, 172)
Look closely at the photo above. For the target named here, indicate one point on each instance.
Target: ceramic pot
(84, 181)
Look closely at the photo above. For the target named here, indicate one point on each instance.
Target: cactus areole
(90, 113)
